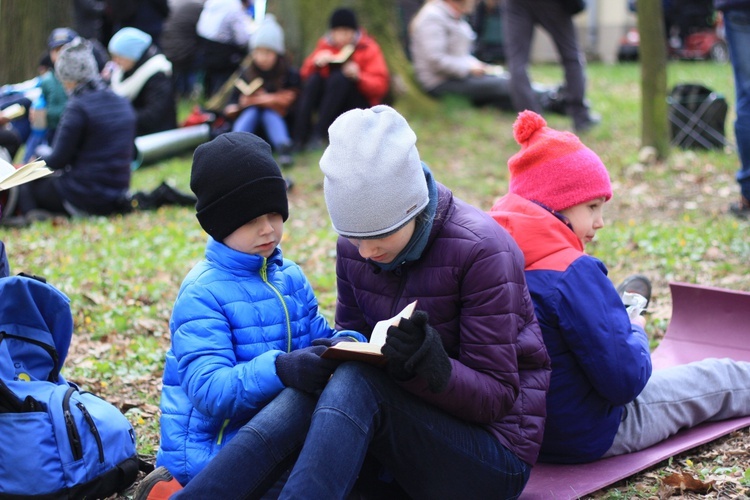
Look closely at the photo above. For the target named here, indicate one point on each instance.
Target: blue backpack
(55, 440)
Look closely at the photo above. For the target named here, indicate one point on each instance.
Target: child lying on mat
(603, 399)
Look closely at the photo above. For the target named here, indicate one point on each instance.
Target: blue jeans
(430, 454)
(273, 124)
(737, 25)
(252, 461)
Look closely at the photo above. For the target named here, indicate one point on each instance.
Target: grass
(667, 220)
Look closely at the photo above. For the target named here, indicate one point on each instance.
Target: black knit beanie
(344, 18)
(236, 179)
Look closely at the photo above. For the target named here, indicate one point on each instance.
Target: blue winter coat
(470, 281)
(600, 360)
(233, 316)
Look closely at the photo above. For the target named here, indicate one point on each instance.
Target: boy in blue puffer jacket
(246, 331)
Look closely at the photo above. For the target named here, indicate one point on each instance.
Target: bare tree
(653, 55)
(26, 24)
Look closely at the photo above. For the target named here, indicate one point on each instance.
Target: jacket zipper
(264, 276)
(221, 432)
(94, 430)
(70, 426)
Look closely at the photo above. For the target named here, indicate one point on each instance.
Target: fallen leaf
(686, 482)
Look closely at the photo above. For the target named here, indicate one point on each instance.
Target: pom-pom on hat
(269, 35)
(236, 179)
(374, 182)
(344, 18)
(554, 168)
(76, 62)
(129, 43)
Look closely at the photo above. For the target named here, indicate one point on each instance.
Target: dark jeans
(41, 194)
(331, 97)
(430, 454)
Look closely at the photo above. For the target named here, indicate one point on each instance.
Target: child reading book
(346, 70)
(244, 320)
(266, 91)
(458, 410)
(603, 398)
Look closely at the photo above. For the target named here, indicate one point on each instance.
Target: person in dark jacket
(179, 42)
(458, 409)
(93, 146)
(736, 22)
(144, 76)
(603, 398)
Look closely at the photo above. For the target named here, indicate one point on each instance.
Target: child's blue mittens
(304, 369)
(415, 348)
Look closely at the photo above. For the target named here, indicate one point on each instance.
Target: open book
(248, 88)
(369, 351)
(343, 55)
(11, 176)
(13, 111)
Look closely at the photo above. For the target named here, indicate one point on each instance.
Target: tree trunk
(653, 54)
(304, 21)
(26, 24)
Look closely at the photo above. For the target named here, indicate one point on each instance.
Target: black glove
(304, 369)
(415, 348)
(329, 342)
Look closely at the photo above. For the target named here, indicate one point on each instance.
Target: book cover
(369, 352)
(11, 176)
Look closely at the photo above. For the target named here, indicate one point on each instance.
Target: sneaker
(158, 485)
(636, 283)
(740, 209)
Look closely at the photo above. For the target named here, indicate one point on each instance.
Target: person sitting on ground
(53, 94)
(440, 44)
(224, 36)
(603, 398)
(144, 76)
(93, 145)
(245, 319)
(346, 70)
(458, 409)
(268, 104)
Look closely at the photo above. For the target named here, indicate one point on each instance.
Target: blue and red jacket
(600, 360)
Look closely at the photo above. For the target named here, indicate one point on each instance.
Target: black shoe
(585, 124)
(740, 209)
(315, 144)
(636, 283)
(285, 156)
(172, 196)
(289, 183)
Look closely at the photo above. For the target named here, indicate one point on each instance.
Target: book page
(13, 111)
(343, 55)
(248, 88)
(369, 351)
(11, 176)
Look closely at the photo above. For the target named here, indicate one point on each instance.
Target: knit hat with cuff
(269, 35)
(344, 18)
(76, 62)
(129, 43)
(374, 182)
(554, 168)
(236, 179)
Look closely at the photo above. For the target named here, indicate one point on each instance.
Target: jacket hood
(538, 233)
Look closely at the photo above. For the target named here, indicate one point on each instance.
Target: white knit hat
(374, 181)
(269, 35)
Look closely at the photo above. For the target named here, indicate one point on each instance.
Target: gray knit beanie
(374, 182)
(76, 62)
(269, 35)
